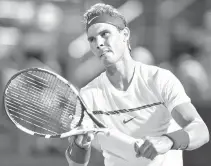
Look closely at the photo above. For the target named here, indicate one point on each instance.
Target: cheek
(116, 44)
(93, 49)
(119, 46)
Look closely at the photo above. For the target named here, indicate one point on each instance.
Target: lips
(104, 52)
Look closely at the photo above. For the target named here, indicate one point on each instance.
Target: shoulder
(88, 92)
(92, 86)
(151, 72)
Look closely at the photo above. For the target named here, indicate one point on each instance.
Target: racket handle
(77, 131)
(119, 143)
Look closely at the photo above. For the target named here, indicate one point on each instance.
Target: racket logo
(91, 20)
(128, 120)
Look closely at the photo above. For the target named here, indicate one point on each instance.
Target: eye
(91, 39)
(105, 34)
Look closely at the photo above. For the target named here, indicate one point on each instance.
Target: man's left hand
(153, 146)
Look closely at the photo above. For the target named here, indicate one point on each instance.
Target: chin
(109, 63)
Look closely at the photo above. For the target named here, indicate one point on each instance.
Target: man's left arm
(194, 134)
(189, 119)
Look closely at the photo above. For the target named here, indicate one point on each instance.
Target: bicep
(185, 113)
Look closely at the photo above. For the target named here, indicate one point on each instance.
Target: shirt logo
(126, 121)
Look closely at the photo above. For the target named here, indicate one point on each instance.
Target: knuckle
(70, 139)
(90, 137)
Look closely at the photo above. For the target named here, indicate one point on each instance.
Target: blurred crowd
(175, 35)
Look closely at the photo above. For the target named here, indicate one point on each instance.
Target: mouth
(103, 54)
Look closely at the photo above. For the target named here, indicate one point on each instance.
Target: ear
(126, 33)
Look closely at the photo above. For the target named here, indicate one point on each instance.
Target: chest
(136, 113)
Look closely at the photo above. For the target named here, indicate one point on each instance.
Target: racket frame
(74, 131)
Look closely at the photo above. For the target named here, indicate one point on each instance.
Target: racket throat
(84, 131)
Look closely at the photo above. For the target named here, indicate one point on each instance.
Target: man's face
(107, 42)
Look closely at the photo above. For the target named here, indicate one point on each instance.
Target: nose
(99, 43)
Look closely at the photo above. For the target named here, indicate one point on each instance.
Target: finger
(153, 155)
(150, 152)
(71, 139)
(139, 149)
(138, 143)
(147, 152)
(86, 142)
(136, 147)
(88, 137)
(143, 148)
(79, 140)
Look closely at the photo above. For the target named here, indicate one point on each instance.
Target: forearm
(71, 162)
(77, 156)
(195, 130)
(198, 134)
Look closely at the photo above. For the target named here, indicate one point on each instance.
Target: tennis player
(163, 122)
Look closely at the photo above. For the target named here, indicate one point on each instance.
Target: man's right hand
(79, 150)
(83, 141)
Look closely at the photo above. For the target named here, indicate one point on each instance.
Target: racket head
(42, 103)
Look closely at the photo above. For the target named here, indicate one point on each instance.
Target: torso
(149, 115)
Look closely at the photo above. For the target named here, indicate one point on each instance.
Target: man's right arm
(79, 151)
(77, 156)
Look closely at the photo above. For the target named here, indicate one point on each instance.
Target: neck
(121, 73)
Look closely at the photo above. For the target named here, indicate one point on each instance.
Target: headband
(106, 18)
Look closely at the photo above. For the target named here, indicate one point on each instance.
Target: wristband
(180, 139)
(77, 154)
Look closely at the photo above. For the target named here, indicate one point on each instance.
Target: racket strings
(21, 99)
(29, 113)
(29, 122)
(53, 103)
(67, 101)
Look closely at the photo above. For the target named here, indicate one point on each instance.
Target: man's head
(107, 14)
(107, 32)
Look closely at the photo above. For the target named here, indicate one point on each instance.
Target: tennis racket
(41, 102)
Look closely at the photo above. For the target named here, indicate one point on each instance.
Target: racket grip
(124, 144)
(104, 131)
